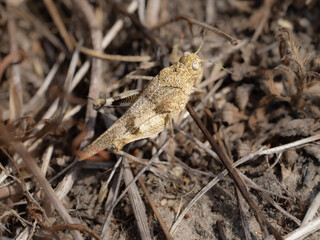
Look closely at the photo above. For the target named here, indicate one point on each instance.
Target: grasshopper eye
(195, 65)
(186, 54)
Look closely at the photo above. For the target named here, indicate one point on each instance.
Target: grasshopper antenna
(220, 66)
(201, 44)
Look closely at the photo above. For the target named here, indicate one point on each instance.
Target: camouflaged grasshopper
(152, 109)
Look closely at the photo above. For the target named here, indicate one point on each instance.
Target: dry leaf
(258, 120)
(297, 127)
(235, 131)
(231, 114)
(313, 150)
(242, 95)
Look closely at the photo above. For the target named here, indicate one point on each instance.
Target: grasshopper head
(192, 62)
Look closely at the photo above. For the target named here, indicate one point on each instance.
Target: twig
(64, 226)
(184, 196)
(112, 196)
(186, 167)
(313, 209)
(64, 186)
(110, 57)
(141, 10)
(152, 13)
(154, 208)
(46, 159)
(107, 40)
(13, 189)
(15, 100)
(304, 231)
(230, 39)
(234, 175)
(63, 171)
(10, 59)
(221, 234)
(202, 145)
(96, 77)
(137, 204)
(244, 221)
(42, 28)
(20, 181)
(38, 96)
(33, 167)
(248, 181)
(253, 185)
(156, 41)
(34, 225)
(140, 173)
(211, 11)
(117, 26)
(230, 50)
(258, 153)
(24, 233)
(96, 70)
(265, 10)
(54, 13)
(280, 209)
(104, 187)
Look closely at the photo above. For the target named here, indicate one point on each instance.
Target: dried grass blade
(42, 181)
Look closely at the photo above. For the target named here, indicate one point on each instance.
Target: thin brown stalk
(96, 70)
(138, 206)
(261, 152)
(206, 26)
(155, 40)
(152, 12)
(312, 211)
(234, 175)
(30, 163)
(59, 227)
(41, 27)
(54, 13)
(112, 196)
(152, 160)
(111, 57)
(221, 234)
(154, 208)
(244, 221)
(305, 230)
(265, 11)
(15, 101)
(10, 59)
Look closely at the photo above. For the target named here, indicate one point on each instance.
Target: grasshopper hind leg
(151, 127)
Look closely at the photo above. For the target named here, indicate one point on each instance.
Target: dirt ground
(258, 95)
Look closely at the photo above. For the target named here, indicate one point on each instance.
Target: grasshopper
(151, 111)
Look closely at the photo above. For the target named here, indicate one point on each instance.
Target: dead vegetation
(259, 99)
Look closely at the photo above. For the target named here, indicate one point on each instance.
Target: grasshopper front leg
(124, 99)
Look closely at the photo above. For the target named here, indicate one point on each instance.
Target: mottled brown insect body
(165, 96)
